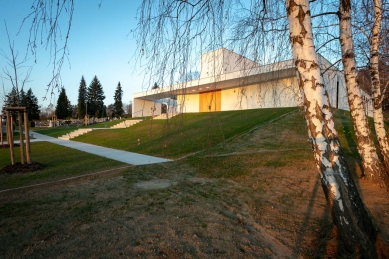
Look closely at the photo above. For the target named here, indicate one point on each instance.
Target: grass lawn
(183, 134)
(60, 162)
(59, 131)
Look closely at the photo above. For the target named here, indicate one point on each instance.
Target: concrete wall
(281, 93)
(268, 86)
(334, 77)
(141, 108)
(272, 94)
(368, 104)
(335, 85)
(233, 62)
(211, 63)
(188, 103)
(223, 61)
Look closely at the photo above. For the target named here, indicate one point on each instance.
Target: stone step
(165, 116)
(74, 134)
(125, 124)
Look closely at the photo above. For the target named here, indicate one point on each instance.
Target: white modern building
(229, 81)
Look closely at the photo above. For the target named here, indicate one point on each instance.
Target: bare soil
(258, 196)
(22, 168)
(7, 145)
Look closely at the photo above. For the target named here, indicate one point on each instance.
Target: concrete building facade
(229, 81)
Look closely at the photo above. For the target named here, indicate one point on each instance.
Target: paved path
(114, 154)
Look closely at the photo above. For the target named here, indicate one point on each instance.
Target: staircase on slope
(165, 116)
(125, 124)
(74, 134)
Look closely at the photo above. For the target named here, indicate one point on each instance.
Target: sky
(99, 44)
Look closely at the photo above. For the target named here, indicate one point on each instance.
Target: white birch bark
(372, 166)
(382, 136)
(347, 210)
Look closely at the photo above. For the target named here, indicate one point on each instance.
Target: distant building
(229, 81)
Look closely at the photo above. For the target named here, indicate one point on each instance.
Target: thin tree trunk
(372, 166)
(347, 210)
(376, 86)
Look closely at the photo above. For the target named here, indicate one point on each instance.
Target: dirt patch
(22, 168)
(154, 184)
(7, 145)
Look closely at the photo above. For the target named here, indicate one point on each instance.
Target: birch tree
(373, 168)
(347, 210)
(379, 125)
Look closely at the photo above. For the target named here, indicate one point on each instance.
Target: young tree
(110, 109)
(118, 104)
(82, 98)
(50, 28)
(95, 97)
(14, 74)
(129, 109)
(63, 105)
(373, 168)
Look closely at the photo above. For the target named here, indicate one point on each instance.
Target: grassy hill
(183, 134)
(246, 186)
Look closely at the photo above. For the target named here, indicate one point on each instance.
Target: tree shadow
(307, 216)
(349, 135)
(327, 243)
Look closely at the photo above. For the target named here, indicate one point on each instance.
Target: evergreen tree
(118, 104)
(22, 98)
(30, 101)
(95, 98)
(74, 111)
(82, 98)
(63, 105)
(104, 112)
(12, 99)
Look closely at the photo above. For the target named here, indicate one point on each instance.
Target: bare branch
(45, 30)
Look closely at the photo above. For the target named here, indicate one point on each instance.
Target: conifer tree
(82, 98)
(104, 112)
(95, 98)
(12, 98)
(30, 101)
(118, 104)
(63, 105)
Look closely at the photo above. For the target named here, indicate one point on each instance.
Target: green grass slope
(183, 134)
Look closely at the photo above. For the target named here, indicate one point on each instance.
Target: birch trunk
(372, 166)
(376, 85)
(347, 210)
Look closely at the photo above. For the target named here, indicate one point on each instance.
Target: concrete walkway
(114, 154)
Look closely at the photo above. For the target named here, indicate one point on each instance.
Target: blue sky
(99, 44)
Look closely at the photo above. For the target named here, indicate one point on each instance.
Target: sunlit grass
(62, 130)
(183, 134)
(60, 162)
